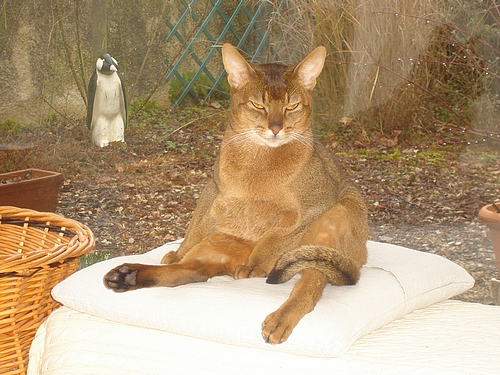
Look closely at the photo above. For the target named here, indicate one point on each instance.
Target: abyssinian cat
(278, 203)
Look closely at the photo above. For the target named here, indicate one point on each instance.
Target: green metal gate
(252, 38)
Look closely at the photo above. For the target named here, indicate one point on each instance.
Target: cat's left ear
(310, 68)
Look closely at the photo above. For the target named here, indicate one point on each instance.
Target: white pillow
(394, 282)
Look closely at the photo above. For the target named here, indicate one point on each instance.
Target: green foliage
(51, 122)
(10, 127)
(432, 156)
(92, 258)
(442, 114)
(201, 87)
(395, 155)
(148, 115)
(150, 106)
(182, 148)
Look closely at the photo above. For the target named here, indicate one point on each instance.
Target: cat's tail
(339, 269)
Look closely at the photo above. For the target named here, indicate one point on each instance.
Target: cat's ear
(310, 68)
(238, 70)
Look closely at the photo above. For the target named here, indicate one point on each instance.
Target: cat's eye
(257, 105)
(292, 106)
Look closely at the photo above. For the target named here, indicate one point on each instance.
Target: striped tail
(338, 269)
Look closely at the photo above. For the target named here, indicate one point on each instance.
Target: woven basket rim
(76, 240)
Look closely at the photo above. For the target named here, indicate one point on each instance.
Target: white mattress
(449, 337)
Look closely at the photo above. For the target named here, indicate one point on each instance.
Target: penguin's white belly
(108, 118)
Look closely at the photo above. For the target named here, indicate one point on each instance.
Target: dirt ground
(138, 195)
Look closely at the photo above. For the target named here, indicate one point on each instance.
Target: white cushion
(394, 282)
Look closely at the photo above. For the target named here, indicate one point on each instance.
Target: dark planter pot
(35, 189)
(489, 216)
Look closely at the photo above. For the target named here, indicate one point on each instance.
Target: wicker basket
(37, 250)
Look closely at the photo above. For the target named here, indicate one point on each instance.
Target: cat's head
(271, 104)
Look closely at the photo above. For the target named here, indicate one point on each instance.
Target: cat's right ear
(238, 70)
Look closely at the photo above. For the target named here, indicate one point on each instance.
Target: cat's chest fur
(257, 190)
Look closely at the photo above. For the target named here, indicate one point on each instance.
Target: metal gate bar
(216, 10)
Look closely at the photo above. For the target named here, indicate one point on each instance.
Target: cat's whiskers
(303, 137)
(241, 137)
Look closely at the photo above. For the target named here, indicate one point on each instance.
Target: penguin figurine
(107, 105)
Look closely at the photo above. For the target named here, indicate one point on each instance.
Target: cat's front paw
(122, 278)
(244, 272)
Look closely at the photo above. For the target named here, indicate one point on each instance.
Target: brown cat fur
(278, 204)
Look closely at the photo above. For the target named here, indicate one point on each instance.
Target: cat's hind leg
(332, 251)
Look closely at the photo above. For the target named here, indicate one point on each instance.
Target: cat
(278, 203)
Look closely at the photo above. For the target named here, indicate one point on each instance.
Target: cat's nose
(275, 127)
